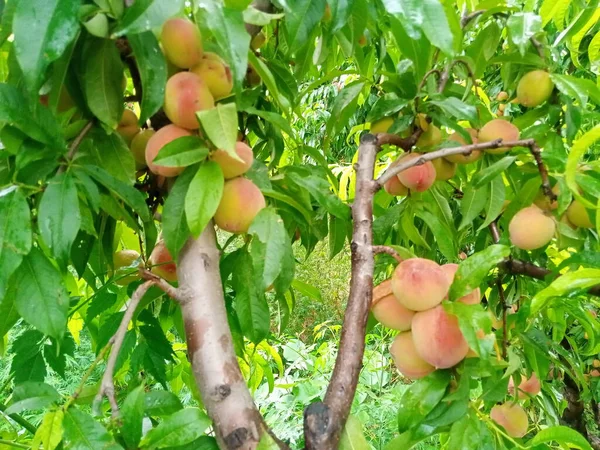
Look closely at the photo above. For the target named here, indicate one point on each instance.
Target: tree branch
(377, 249)
(20, 420)
(324, 422)
(467, 18)
(171, 291)
(546, 187)
(393, 139)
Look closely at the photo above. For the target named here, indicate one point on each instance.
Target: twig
(324, 421)
(495, 233)
(171, 291)
(538, 46)
(424, 80)
(75, 144)
(13, 444)
(465, 150)
(504, 307)
(393, 139)
(465, 19)
(107, 386)
(388, 250)
(20, 420)
(537, 155)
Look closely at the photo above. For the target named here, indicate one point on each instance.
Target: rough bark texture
(324, 422)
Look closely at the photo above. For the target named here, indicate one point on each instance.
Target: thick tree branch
(377, 249)
(324, 422)
(393, 139)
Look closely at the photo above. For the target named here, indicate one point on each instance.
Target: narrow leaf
(203, 196)
(182, 152)
(220, 125)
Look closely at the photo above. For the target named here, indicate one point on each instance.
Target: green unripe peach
(157, 141)
(419, 284)
(381, 125)
(531, 228)
(465, 159)
(406, 358)
(387, 309)
(431, 137)
(534, 88)
(512, 418)
(126, 259)
(578, 215)
(138, 147)
(182, 42)
(444, 170)
(258, 41)
(438, 339)
(473, 297)
(418, 178)
(128, 127)
(240, 203)
(162, 263)
(231, 167)
(185, 94)
(215, 73)
(498, 129)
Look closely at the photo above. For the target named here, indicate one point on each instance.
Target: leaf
(301, 20)
(15, 239)
(54, 23)
(307, 289)
(353, 437)
(418, 49)
(28, 363)
(579, 148)
(594, 49)
(182, 152)
(436, 26)
(153, 72)
(8, 314)
(40, 295)
(552, 8)
(472, 203)
(203, 196)
(443, 236)
(220, 125)
(250, 304)
(145, 15)
(472, 319)
(32, 395)
(50, 432)
(470, 433)
(456, 108)
(180, 428)
(473, 270)
(268, 79)
(386, 105)
(495, 201)
(132, 414)
(175, 226)
(577, 88)
(255, 16)
(273, 118)
(522, 26)
(161, 403)
(56, 353)
(109, 152)
(563, 285)
(420, 398)
(343, 107)
(58, 216)
(82, 432)
(489, 173)
(562, 435)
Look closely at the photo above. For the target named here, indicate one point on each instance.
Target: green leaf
(273, 118)
(420, 398)
(268, 79)
(132, 414)
(470, 433)
(42, 31)
(250, 304)
(307, 289)
(418, 50)
(161, 403)
(58, 216)
(301, 20)
(40, 295)
(28, 362)
(594, 49)
(473, 270)
(180, 428)
(145, 15)
(552, 8)
(175, 226)
(471, 319)
(495, 201)
(220, 125)
(153, 72)
(457, 108)
(436, 26)
(569, 282)
(8, 14)
(8, 313)
(386, 105)
(353, 437)
(491, 172)
(522, 26)
(203, 196)
(344, 106)
(579, 148)
(562, 435)
(182, 152)
(82, 432)
(32, 395)
(472, 204)
(578, 88)
(50, 432)
(15, 239)
(255, 16)
(443, 235)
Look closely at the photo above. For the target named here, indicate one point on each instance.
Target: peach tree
(161, 160)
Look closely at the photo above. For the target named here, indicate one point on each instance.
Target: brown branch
(377, 249)
(171, 291)
(546, 187)
(424, 80)
(324, 422)
(467, 18)
(504, 314)
(495, 233)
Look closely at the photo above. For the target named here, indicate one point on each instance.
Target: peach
(241, 202)
(156, 142)
(406, 358)
(182, 42)
(381, 125)
(465, 159)
(394, 187)
(578, 215)
(419, 284)
(473, 297)
(542, 201)
(162, 263)
(215, 73)
(231, 167)
(534, 88)
(185, 94)
(431, 137)
(498, 129)
(531, 228)
(125, 258)
(418, 178)
(444, 170)
(138, 147)
(438, 338)
(258, 41)
(387, 310)
(502, 96)
(128, 126)
(528, 386)
(512, 418)
(595, 373)
(596, 363)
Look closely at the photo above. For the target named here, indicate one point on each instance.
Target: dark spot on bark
(236, 438)
(368, 138)
(224, 341)
(205, 260)
(232, 372)
(221, 392)
(195, 330)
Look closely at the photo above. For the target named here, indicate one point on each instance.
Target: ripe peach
(512, 418)
(157, 141)
(527, 386)
(388, 310)
(578, 215)
(431, 137)
(138, 147)
(473, 297)
(531, 228)
(182, 42)
(502, 96)
(534, 88)
(125, 258)
(542, 201)
(444, 170)
(464, 159)
(595, 373)
(418, 178)
(241, 202)
(162, 263)
(406, 358)
(185, 94)
(438, 338)
(381, 125)
(498, 129)
(233, 168)
(128, 126)
(395, 187)
(419, 284)
(215, 73)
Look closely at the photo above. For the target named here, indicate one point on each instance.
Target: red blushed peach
(182, 42)
(512, 418)
(162, 263)
(473, 297)
(528, 386)
(406, 358)
(185, 94)
(231, 167)
(419, 284)
(418, 178)
(215, 73)
(394, 187)
(498, 129)
(387, 310)
(240, 203)
(156, 142)
(438, 338)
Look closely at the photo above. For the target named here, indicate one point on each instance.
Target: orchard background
(197, 199)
